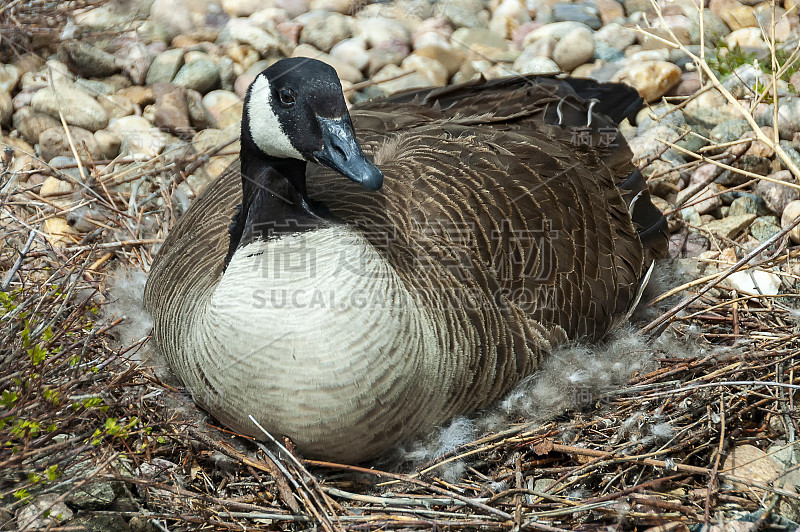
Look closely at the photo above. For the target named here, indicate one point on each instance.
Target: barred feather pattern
(506, 237)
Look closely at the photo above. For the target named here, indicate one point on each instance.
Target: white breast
(312, 333)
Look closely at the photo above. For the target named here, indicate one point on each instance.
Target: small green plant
(728, 59)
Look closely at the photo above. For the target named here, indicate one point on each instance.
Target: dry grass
(31, 24)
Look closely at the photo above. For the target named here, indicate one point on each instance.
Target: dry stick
(654, 327)
(284, 490)
(404, 478)
(681, 206)
(712, 478)
(93, 474)
(568, 449)
(369, 82)
(200, 161)
(323, 517)
(19, 261)
(114, 245)
(728, 167)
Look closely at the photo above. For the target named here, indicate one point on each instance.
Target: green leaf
(38, 354)
(8, 399)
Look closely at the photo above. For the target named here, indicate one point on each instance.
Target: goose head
(295, 110)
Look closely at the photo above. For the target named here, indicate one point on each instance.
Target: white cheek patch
(265, 128)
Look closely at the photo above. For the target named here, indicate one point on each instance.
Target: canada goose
(350, 314)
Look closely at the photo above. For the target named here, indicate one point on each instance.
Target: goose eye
(287, 97)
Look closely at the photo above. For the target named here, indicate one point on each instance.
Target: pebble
(742, 82)
(78, 107)
(788, 116)
(583, 12)
(171, 113)
(433, 70)
(379, 58)
(705, 202)
(607, 52)
(764, 228)
(31, 124)
(753, 281)
(49, 509)
(784, 29)
(201, 75)
(636, 6)
(269, 18)
(243, 31)
(173, 16)
(729, 131)
(775, 195)
(707, 109)
(324, 31)
(351, 51)
(651, 78)
(225, 107)
(791, 152)
(87, 60)
(198, 115)
(451, 58)
(738, 16)
(574, 49)
(555, 31)
(344, 70)
(663, 114)
(668, 181)
(750, 462)
(94, 87)
(41, 79)
(9, 77)
(54, 187)
(729, 227)
(610, 10)
(165, 66)
(790, 214)
(464, 13)
(616, 35)
(537, 65)
(54, 142)
(23, 154)
(648, 145)
(748, 204)
(241, 8)
(746, 38)
(753, 164)
(508, 16)
(381, 31)
(409, 81)
(134, 58)
(345, 7)
(6, 108)
(108, 143)
(293, 8)
(117, 106)
(139, 139)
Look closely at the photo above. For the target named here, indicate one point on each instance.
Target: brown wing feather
(489, 211)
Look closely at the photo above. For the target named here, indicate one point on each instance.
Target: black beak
(342, 152)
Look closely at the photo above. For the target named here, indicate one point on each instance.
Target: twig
(19, 261)
(653, 328)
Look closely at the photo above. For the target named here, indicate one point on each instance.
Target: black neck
(274, 200)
